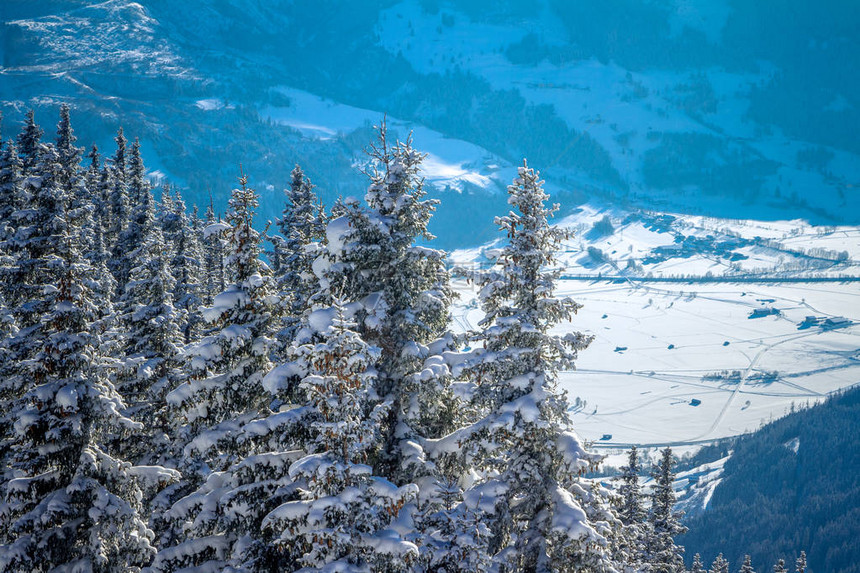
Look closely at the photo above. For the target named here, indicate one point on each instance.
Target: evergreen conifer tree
(29, 142)
(152, 343)
(69, 156)
(780, 567)
(228, 365)
(720, 565)
(747, 565)
(359, 532)
(213, 255)
(187, 267)
(800, 564)
(11, 193)
(665, 555)
(697, 566)
(524, 444)
(630, 508)
(237, 450)
(141, 220)
(404, 295)
(120, 214)
(69, 504)
(302, 228)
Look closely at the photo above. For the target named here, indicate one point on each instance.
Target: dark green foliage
(809, 500)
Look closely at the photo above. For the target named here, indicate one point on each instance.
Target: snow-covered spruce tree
(404, 292)
(141, 219)
(187, 267)
(630, 508)
(720, 565)
(85, 196)
(697, 565)
(747, 565)
(302, 228)
(97, 232)
(70, 505)
(346, 519)
(213, 256)
(29, 142)
(664, 555)
(455, 537)
(11, 194)
(11, 200)
(523, 448)
(228, 365)
(120, 214)
(69, 156)
(30, 236)
(93, 174)
(800, 564)
(152, 343)
(238, 450)
(780, 567)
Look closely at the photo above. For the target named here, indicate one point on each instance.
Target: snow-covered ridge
(114, 33)
(448, 163)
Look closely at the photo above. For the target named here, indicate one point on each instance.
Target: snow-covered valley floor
(685, 363)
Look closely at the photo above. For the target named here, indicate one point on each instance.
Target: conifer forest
(207, 392)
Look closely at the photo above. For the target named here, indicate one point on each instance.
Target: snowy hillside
(690, 112)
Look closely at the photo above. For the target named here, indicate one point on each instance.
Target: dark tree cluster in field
(169, 401)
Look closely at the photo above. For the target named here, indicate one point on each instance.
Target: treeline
(169, 401)
(790, 484)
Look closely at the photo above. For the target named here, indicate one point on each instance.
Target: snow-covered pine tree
(664, 555)
(120, 214)
(213, 255)
(11, 200)
(85, 196)
(70, 505)
(152, 343)
(747, 565)
(228, 365)
(238, 451)
(800, 564)
(720, 565)
(187, 267)
(345, 519)
(94, 169)
(455, 537)
(95, 225)
(99, 184)
(631, 511)
(69, 156)
(27, 255)
(404, 292)
(523, 448)
(29, 142)
(11, 194)
(697, 566)
(780, 567)
(141, 220)
(302, 228)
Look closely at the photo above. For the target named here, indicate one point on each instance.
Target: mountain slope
(684, 105)
(790, 486)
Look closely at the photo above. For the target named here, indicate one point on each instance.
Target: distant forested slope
(793, 485)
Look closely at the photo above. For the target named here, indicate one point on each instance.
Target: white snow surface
(448, 163)
(654, 373)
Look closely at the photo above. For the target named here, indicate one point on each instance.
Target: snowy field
(685, 363)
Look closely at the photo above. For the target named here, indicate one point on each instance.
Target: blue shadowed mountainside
(721, 107)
